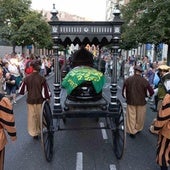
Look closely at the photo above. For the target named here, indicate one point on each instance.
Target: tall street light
(56, 39)
(117, 23)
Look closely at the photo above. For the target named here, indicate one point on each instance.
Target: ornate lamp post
(56, 38)
(117, 23)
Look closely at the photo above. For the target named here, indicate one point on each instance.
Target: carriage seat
(85, 92)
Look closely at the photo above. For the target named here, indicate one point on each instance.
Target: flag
(83, 73)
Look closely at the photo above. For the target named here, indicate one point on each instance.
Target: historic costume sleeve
(164, 114)
(46, 93)
(150, 90)
(7, 117)
(80, 74)
(23, 88)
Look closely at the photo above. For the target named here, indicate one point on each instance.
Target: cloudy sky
(92, 9)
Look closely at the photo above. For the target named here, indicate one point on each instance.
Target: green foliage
(146, 21)
(22, 26)
(11, 16)
(35, 30)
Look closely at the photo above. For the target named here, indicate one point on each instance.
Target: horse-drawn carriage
(83, 101)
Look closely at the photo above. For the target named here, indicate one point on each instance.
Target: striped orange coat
(162, 126)
(7, 122)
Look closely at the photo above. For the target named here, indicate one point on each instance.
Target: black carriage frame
(84, 32)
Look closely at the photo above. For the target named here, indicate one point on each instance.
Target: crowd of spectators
(15, 67)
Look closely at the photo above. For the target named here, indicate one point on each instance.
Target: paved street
(80, 150)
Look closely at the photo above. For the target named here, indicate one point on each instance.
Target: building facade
(110, 6)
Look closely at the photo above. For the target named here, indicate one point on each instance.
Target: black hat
(138, 68)
(36, 64)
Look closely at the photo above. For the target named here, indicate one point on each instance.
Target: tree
(35, 30)
(11, 17)
(146, 21)
(22, 26)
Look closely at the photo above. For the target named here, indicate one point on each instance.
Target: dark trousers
(156, 101)
(164, 168)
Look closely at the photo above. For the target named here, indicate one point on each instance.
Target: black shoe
(35, 137)
(138, 132)
(132, 135)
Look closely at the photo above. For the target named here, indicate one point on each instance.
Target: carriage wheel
(46, 122)
(119, 133)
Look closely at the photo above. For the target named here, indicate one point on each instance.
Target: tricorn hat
(163, 67)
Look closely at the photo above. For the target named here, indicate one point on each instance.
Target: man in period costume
(38, 91)
(135, 90)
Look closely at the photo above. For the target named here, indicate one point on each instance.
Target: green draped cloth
(83, 73)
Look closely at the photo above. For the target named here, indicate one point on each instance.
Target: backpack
(28, 67)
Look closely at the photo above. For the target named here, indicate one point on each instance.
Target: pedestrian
(2, 81)
(131, 69)
(163, 71)
(5, 69)
(162, 127)
(154, 98)
(126, 69)
(43, 68)
(135, 90)
(7, 124)
(38, 91)
(11, 87)
(48, 67)
(28, 68)
(14, 69)
(150, 73)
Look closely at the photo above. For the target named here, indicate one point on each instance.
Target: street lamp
(56, 38)
(117, 23)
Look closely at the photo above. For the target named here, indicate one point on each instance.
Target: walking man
(135, 90)
(38, 91)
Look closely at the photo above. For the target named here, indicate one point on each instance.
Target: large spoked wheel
(47, 131)
(119, 133)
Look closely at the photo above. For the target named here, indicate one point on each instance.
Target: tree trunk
(168, 55)
(22, 49)
(13, 49)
